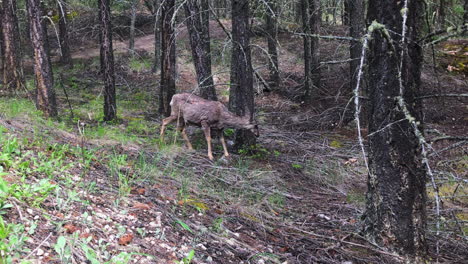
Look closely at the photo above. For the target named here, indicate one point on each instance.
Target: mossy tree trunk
(395, 215)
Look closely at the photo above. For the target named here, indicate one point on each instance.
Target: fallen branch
(440, 95)
(349, 243)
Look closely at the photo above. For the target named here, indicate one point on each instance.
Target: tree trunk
(356, 30)
(465, 14)
(440, 24)
(131, 41)
(315, 19)
(346, 12)
(65, 57)
(272, 31)
(157, 35)
(168, 57)
(241, 98)
(107, 60)
(13, 79)
(395, 215)
(197, 20)
(42, 68)
(307, 56)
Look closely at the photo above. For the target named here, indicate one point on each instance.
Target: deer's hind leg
(223, 142)
(181, 128)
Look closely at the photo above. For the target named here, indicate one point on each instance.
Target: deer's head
(252, 126)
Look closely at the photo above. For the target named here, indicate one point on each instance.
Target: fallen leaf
(59, 215)
(139, 191)
(351, 161)
(141, 206)
(125, 239)
(70, 228)
(85, 235)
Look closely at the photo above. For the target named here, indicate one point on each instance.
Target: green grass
(138, 64)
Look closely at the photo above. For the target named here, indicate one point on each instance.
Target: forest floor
(77, 190)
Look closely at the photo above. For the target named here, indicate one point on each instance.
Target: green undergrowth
(46, 178)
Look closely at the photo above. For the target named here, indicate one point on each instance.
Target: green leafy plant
(188, 258)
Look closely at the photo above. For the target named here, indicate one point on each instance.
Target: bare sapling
(189, 109)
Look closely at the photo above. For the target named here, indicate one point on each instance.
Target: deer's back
(195, 109)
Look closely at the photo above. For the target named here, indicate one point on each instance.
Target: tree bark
(307, 56)
(107, 60)
(315, 21)
(198, 25)
(346, 12)
(13, 79)
(272, 38)
(168, 57)
(157, 35)
(241, 98)
(356, 30)
(131, 41)
(465, 15)
(395, 215)
(440, 23)
(65, 57)
(45, 100)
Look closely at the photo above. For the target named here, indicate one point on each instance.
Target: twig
(447, 138)
(338, 61)
(443, 31)
(456, 145)
(66, 96)
(40, 244)
(357, 108)
(349, 243)
(440, 95)
(326, 37)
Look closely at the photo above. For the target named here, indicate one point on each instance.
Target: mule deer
(189, 109)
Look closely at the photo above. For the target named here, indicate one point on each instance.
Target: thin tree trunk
(42, 68)
(13, 79)
(131, 41)
(157, 35)
(197, 20)
(65, 57)
(440, 24)
(272, 31)
(395, 215)
(307, 56)
(346, 12)
(168, 58)
(107, 60)
(356, 30)
(465, 14)
(315, 19)
(241, 98)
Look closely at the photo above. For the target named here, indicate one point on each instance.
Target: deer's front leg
(207, 130)
(165, 122)
(223, 142)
